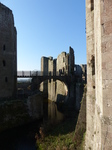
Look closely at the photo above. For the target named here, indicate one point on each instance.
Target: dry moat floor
(58, 137)
(64, 135)
(53, 137)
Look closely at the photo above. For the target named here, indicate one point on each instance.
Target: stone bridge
(38, 77)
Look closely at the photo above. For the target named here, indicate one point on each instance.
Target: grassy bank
(58, 137)
(65, 135)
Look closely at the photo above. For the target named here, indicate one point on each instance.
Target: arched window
(4, 63)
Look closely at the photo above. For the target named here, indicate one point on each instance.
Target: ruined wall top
(64, 62)
(71, 50)
(6, 15)
(5, 8)
(50, 58)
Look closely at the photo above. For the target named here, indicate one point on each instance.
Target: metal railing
(38, 73)
(28, 73)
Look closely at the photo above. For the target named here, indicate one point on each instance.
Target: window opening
(4, 47)
(4, 63)
(63, 59)
(66, 67)
(6, 79)
(92, 5)
(63, 70)
(93, 64)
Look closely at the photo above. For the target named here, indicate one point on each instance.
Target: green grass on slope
(59, 136)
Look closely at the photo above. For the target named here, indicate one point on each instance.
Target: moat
(23, 137)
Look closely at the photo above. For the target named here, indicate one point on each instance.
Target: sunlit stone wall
(99, 74)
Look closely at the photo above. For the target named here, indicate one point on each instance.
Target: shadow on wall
(72, 102)
(79, 95)
(60, 98)
(60, 102)
(65, 103)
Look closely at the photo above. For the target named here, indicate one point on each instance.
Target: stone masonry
(63, 65)
(99, 74)
(8, 53)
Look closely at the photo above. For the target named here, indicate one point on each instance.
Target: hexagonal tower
(8, 53)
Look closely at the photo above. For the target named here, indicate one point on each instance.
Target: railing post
(23, 73)
(49, 73)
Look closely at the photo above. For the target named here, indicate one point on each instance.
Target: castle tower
(99, 74)
(8, 53)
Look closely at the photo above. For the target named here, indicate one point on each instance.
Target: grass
(59, 136)
(66, 135)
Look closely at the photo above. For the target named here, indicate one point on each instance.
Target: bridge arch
(38, 77)
(65, 80)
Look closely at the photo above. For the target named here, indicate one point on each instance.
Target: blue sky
(47, 28)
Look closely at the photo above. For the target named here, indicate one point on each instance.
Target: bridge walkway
(30, 74)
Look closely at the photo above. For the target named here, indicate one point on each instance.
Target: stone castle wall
(90, 105)
(71, 60)
(63, 65)
(62, 68)
(8, 53)
(44, 69)
(51, 83)
(99, 74)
